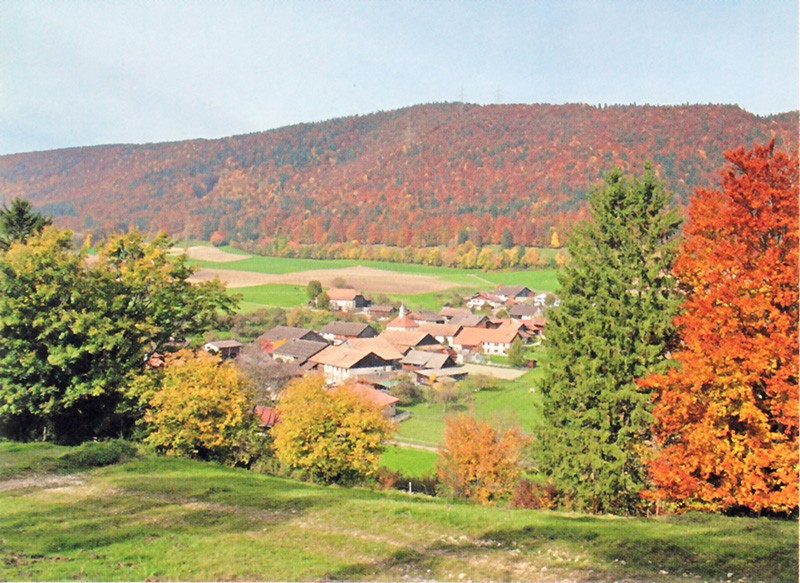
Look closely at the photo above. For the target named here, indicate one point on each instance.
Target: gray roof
(524, 310)
(299, 349)
(427, 316)
(469, 321)
(352, 329)
(429, 360)
(220, 344)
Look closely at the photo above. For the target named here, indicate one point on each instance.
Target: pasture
(159, 519)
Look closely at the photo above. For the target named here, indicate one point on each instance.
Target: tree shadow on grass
(648, 548)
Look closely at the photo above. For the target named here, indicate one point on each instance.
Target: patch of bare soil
(508, 374)
(46, 481)
(365, 279)
(203, 253)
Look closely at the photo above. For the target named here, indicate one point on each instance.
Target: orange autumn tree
(726, 419)
(477, 462)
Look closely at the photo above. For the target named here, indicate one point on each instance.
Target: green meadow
(516, 402)
(463, 281)
(165, 519)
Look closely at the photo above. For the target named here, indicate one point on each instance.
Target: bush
(534, 495)
(95, 454)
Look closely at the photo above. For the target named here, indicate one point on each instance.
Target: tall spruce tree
(612, 327)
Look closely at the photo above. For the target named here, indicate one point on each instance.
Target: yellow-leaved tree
(202, 409)
(334, 436)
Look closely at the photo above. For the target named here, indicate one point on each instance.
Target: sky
(87, 72)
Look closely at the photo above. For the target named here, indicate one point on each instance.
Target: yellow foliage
(334, 436)
(202, 409)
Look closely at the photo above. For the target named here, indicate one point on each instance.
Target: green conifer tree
(19, 221)
(614, 325)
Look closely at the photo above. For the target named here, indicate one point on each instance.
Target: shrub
(478, 462)
(94, 454)
(534, 495)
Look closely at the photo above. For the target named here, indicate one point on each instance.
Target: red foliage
(415, 176)
(726, 420)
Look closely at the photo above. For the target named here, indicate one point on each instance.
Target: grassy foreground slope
(168, 519)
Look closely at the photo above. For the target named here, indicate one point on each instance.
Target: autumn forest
(462, 171)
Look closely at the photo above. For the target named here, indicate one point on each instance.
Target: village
(389, 344)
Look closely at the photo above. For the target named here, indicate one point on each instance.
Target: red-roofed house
(486, 340)
(402, 323)
(386, 402)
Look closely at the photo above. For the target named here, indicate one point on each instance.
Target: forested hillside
(417, 176)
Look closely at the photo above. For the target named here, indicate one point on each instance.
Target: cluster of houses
(428, 346)
(518, 300)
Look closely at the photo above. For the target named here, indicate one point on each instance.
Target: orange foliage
(726, 420)
(415, 176)
(477, 462)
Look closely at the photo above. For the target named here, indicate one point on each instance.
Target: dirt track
(366, 279)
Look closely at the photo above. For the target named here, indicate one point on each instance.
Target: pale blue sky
(76, 73)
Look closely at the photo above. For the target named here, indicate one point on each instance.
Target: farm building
(338, 332)
(347, 300)
(339, 363)
(224, 348)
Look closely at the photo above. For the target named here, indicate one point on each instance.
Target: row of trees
(466, 255)
(679, 384)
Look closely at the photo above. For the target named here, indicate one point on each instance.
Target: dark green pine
(614, 325)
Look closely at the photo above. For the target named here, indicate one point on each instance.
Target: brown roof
(472, 320)
(380, 346)
(426, 316)
(342, 356)
(477, 336)
(440, 329)
(429, 360)
(268, 416)
(450, 312)
(300, 349)
(523, 310)
(405, 339)
(352, 329)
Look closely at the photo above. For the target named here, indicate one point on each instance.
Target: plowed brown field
(366, 279)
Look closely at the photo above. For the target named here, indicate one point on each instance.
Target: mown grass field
(171, 519)
(508, 402)
(409, 461)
